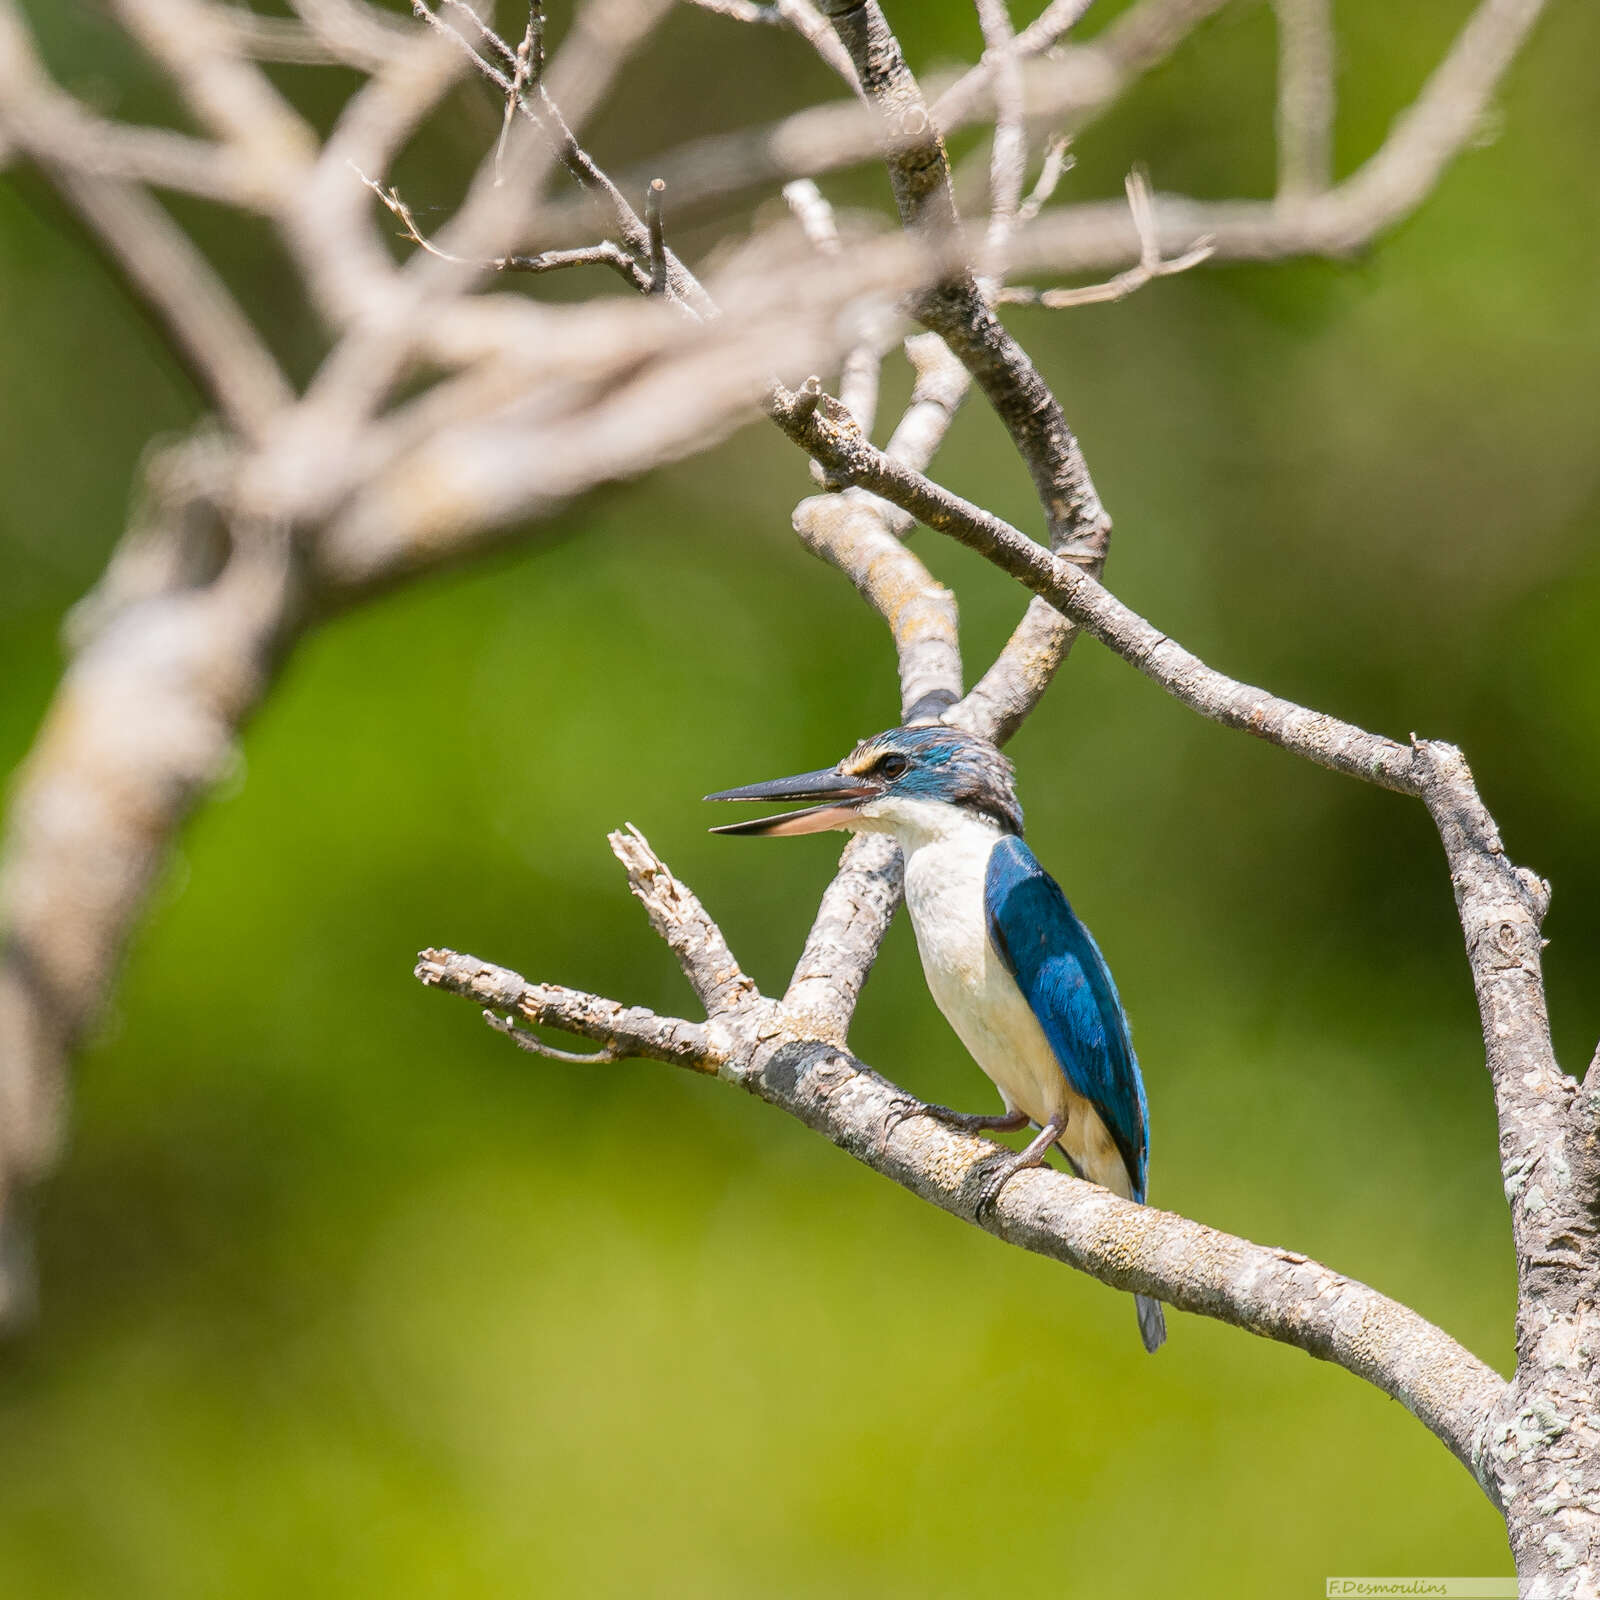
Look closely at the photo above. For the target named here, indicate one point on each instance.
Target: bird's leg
(1033, 1156)
(904, 1108)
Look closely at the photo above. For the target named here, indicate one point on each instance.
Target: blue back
(1068, 986)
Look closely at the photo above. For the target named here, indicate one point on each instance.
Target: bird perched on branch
(1014, 971)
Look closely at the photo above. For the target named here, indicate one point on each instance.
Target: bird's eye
(892, 767)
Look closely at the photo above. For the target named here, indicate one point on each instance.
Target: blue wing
(1068, 986)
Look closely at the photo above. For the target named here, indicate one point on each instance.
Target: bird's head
(887, 785)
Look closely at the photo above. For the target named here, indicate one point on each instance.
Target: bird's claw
(989, 1195)
(901, 1109)
(1033, 1156)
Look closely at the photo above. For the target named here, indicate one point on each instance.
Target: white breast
(947, 857)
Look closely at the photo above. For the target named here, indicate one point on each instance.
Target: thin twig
(532, 1043)
(683, 288)
(1009, 152)
(658, 238)
(1057, 162)
(800, 15)
(814, 214)
(529, 65)
(604, 254)
(623, 1032)
(229, 95)
(1149, 266)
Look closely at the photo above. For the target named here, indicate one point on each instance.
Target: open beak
(834, 793)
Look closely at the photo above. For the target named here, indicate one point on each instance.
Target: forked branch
(764, 1047)
(1546, 1129)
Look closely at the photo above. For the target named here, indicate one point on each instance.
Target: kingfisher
(1016, 974)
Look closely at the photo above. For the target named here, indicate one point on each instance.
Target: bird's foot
(1033, 1156)
(989, 1195)
(904, 1108)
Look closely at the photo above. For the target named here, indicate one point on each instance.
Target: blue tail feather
(1152, 1322)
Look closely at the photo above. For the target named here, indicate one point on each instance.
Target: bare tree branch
(443, 413)
(1339, 221)
(1070, 91)
(1536, 1444)
(1008, 154)
(329, 232)
(527, 63)
(941, 386)
(230, 362)
(229, 95)
(860, 535)
(826, 432)
(545, 113)
(331, 33)
(845, 936)
(353, 32)
(1145, 270)
(1305, 97)
(52, 126)
(849, 531)
(604, 254)
(1276, 1294)
(681, 922)
(624, 1031)
(142, 726)
(207, 593)
(958, 311)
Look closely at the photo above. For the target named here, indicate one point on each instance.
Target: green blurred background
(343, 1296)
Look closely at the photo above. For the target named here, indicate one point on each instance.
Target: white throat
(917, 824)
